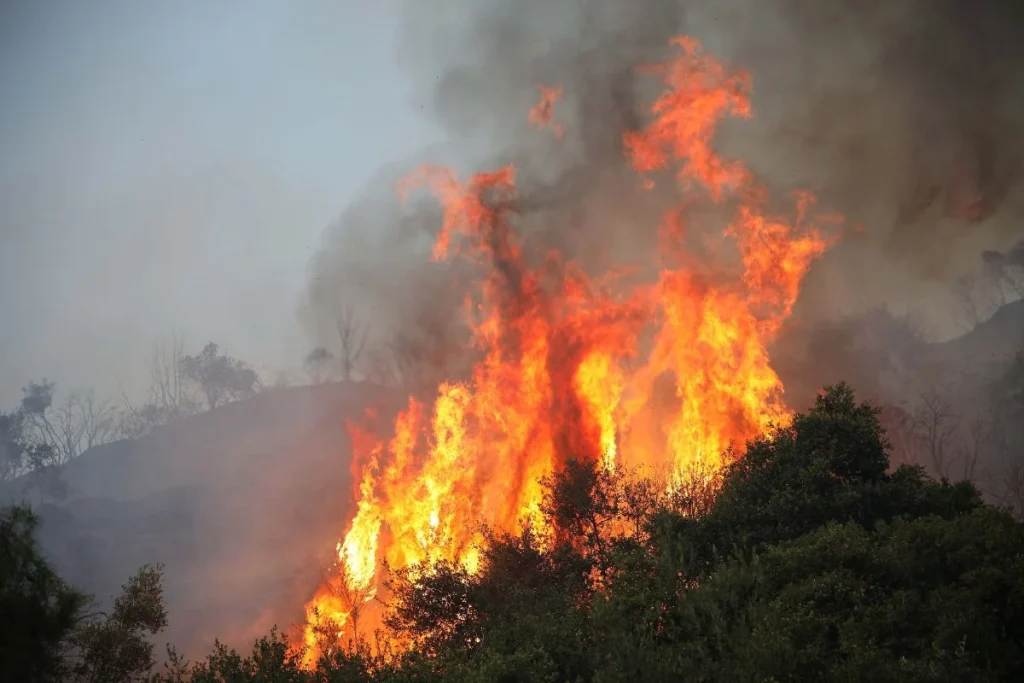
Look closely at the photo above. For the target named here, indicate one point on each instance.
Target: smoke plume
(904, 117)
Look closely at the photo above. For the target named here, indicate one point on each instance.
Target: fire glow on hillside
(569, 364)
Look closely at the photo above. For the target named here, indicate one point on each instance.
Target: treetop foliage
(51, 633)
(43, 434)
(39, 608)
(810, 558)
(220, 377)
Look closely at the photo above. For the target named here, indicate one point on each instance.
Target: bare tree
(68, 430)
(51, 436)
(45, 472)
(979, 433)
(135, 421)
(902, 432)
(936, 424)
(352, 341)
(172, 394)
(171, 391)
(96, 419)
(350, 600)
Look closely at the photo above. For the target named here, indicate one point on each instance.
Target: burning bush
(569, 364)
(811, 561)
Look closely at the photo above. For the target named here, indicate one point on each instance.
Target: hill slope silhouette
(242, 505)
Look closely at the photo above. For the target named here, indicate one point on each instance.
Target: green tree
(812, 561)
(48, 629)
(220, 377)
(272, 661)
(830, 465)
(113, 648)
(39, 609)
(926, 599)
(523, 617)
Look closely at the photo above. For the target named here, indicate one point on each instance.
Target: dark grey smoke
(913, 109)
(906, 117)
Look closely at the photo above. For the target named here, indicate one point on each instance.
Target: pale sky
(171, 165)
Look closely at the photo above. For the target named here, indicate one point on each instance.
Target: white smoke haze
(171, 167)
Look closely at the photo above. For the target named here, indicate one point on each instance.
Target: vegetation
(316, 364)
(220, 378)
(51, 632)
(43, 435)
(352, 359)
(809, 559)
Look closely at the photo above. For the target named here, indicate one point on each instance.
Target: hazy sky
(172, 165)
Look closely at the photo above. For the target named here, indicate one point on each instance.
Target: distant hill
(239, 503)
(884, 360)
(994, 340)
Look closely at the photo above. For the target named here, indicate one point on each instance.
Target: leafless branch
(902, 432)
(76, 425)
(170, 389)
(979, 432)
(352, 338)
(936, 424)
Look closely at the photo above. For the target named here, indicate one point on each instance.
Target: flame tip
(571, 365)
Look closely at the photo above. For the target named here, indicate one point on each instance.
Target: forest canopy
(810, 558)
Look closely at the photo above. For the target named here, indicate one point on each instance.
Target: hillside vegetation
(242, 504)
(810, 559)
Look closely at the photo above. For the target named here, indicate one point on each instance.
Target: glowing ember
(543, 113)
(570, 370)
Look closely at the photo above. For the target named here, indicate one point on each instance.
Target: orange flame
(568, 369)
(542, 114)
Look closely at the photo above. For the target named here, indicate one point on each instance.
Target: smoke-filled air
(690, 346)
(570, 360)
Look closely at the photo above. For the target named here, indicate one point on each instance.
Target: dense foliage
(810, 559)
(38, 608)
(52, 633)
(43, 435)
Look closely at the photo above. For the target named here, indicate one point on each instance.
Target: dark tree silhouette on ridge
(220, 377)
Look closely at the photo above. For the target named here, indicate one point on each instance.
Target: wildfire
(568, 369)
(543, 113)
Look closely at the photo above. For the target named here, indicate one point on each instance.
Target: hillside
(235, 503)
(242, 504)
(993, 340)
